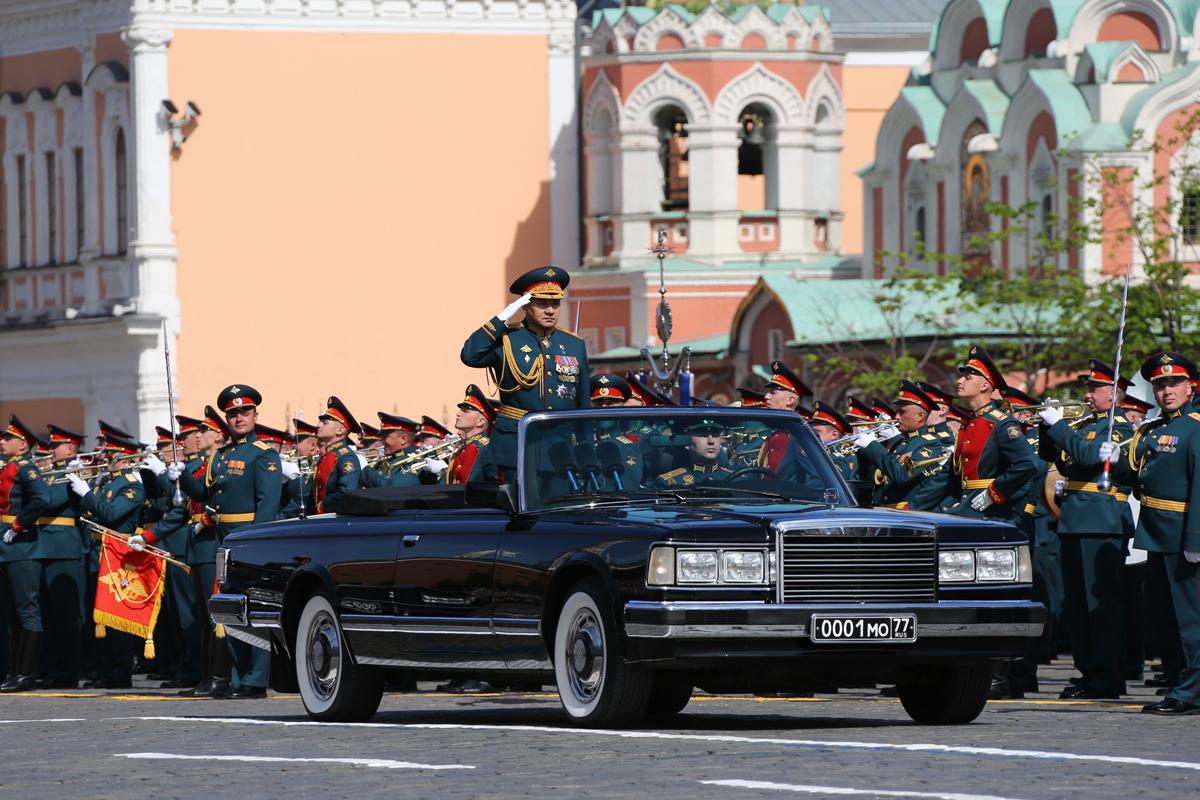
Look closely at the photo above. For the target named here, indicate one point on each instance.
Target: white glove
(175, 470)
(434, 465)
(1109, 451)
(1191, 556)
(1050, 415)
(863, 439)
(513, 307)
(9, 535)
(981, 501)
(888, 432)
(154, 464)
(75, 463)
(78, 485)
(137, 543)
(289, 469)
(362, 460)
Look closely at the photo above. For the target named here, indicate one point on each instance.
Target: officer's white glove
(75, 463)
(863, 439)
(1109, 451)
(78, 485)
(513, 307)
(9, 535)
(289, 469)
(175, 470)
(1050, 415)
(888, 432)
(434, 465)
(154, 464)
(1191, 556)
(362, 460)
(981, 501)
(137, 543)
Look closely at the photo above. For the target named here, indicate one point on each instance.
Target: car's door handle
(411, 538)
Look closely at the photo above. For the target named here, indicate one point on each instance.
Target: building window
(122, 195)
(671, 123)
(52, 208)
(78, 154)
(756, 157)
(774, 344)
(919, 231)
(1189, 216)
(1048, 216)
(22, 215)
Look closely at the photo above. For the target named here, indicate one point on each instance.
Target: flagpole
(99, 532)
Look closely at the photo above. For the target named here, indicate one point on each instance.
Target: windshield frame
(845, 495)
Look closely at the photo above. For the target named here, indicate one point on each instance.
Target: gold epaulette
(569, 333)
(624, 440)
(997, 414)
(1194, 415)
(261, 445)
(341, 450)
(482, 440)
(675, 473)
(928, 436)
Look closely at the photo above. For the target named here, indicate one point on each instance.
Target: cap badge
(1164, 358)
(603, 379)
(234, 389)
(237, 401)
(550, 273)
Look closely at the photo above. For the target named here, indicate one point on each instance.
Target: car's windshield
(686, 455)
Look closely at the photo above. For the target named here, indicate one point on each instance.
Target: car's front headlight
(696, 566)
(692, 566)
(996, 565)
(956, 566)
(742, 566)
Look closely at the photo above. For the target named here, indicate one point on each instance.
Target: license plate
(886, 628)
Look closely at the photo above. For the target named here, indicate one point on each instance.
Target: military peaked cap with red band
(882, 409)
(475, 400)
(857, 411)
(939, 395)
(1168, 365)
(19, 430)
(751, 398)
(545, 283)
(163, 434)
(979, 362)
(390, 423)
(648, 396)
(958, 412)
(804, 411)
(269, 434)
(911, 395)
(187, 424)
(431, 427)
(61, 435)
(1016, 398)
(304, 429)
(122, 446)
(825, 414)
(784, 378)
(1100, 374)
(107, 430)
(369, 432)
(336, 410)
(606, 386)
(215, 422)
(44, 445)
(238, 395)
(1131, 403)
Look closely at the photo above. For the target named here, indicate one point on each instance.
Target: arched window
(1041, 32)
(671, 123)
(1189, 216)
(974, 41)
(756, 159)
(52, 208)
(122, 204)
(598, 150)
(1133, 26)
(1048, 215)
(976, 187)
(22, 214)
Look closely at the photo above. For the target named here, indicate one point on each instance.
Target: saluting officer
(23, 499)
(338, 471)
(1163, 461)
(473, 423)
(397, 433)
(536, 365)
(1092, 529)
(891, 462)
(242, 484)
(992, 463)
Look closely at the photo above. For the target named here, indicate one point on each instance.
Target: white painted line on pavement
(380, 763)
(842, 790)
(818, 744)
(33, 721)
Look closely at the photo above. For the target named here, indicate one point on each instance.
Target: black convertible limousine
(639, 554)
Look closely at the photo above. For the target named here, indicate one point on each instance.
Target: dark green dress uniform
(1164, 463)
(619, 456)
(532, 372)
(693, 475)
(894, 479)
(845, 461)
(22, 502)
(1092, 529)
(338, 470)
(388, 471)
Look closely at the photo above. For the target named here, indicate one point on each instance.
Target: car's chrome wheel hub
(324, 656)
(585, 655)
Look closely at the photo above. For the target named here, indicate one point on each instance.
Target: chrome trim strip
(376, 623)
(456, 666)
(265, 619)
(261, 642)
(875, 608)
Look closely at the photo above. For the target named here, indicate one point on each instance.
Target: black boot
(27, 667)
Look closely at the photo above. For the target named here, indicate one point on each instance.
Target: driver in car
(707, 442)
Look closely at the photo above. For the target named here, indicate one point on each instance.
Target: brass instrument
(306, 464)
(1072, 409)
(444, 450)
(844, 445)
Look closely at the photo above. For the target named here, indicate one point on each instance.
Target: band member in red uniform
(784, 391)
(338, 471)
(993, 463)
(473, 423)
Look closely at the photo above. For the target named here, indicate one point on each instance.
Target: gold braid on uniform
(524, 379)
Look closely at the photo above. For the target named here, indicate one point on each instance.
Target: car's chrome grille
(858, 565)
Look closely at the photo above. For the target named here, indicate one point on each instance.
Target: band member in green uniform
(1092, 530)
(536, 365)
(1163, 462)
(23, 500)
(617, 455)
(829, 424)
(899, 464)
(397, 437)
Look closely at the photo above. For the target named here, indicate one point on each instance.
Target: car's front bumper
(1001, 619)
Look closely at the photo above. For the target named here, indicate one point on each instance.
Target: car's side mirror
(864, 493)
(490, 494)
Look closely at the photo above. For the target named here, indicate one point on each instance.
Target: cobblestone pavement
(148, 743)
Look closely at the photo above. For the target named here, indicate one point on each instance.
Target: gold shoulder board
(675, 473)
(262, 445)
(1194, 416)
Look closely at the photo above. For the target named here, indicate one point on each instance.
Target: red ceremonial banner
(129, 590)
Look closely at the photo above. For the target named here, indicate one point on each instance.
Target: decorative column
(712, 191)
(152, 243)
(564, 136)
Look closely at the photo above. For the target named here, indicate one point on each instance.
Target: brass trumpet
(1072, 409)
(444, 450)
(844, 445)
